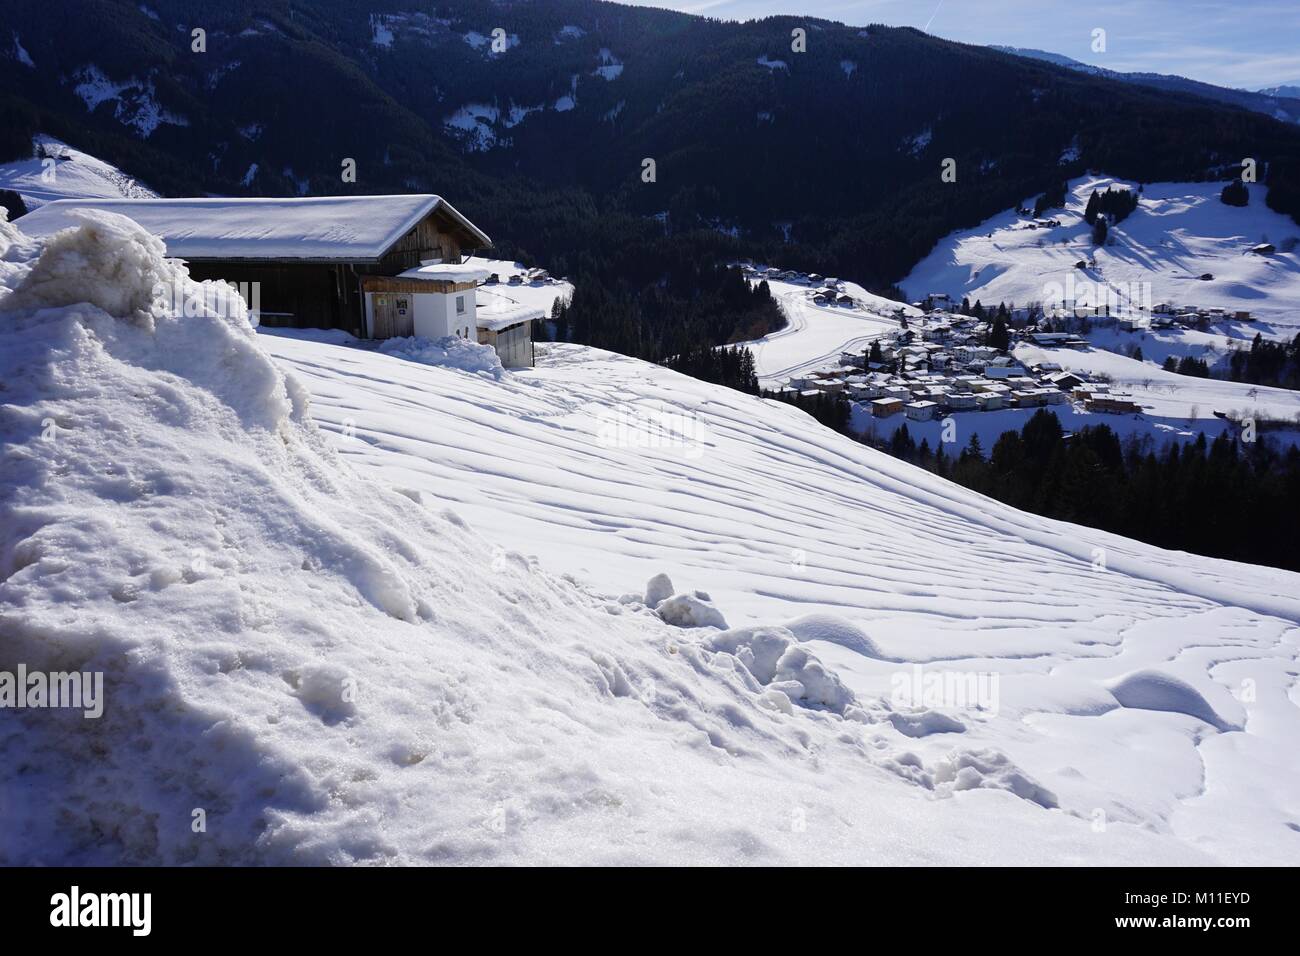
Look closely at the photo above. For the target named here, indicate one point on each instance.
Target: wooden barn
(375, 266)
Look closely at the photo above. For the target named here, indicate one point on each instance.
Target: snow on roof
(349, 228)
(447, 272)
(496, 312)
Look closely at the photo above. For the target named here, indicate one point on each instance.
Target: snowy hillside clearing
(1179, 232)
(70, 174)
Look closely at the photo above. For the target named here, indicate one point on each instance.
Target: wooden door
(403, 317)
(381, 314)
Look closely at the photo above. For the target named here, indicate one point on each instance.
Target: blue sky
(1247, 43)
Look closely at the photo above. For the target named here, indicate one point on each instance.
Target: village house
(884, 407)
(374, 266)
(922, 411)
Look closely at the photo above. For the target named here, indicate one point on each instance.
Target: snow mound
(449, 351)
(834, 630)
(773, 657)
(110, 263)
(926, 722)
(1155, 690)
(989, 769)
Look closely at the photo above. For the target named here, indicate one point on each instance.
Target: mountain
(351, 607)
(1280, 102)
(828, 159)
(1289, 90)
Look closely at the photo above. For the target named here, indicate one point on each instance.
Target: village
(940, 363)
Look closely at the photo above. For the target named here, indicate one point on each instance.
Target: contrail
(932, 16)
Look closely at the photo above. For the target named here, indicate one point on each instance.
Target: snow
(497, 309)
(448, 272)
(318, 227)
(473, 123)
(564, 103)
(915, 145)
(772, 65)
(849, 67)
(80, 175)
(361, 609)
(21, 54)
(611, 67)
(449, 352)
(1183, 402)
(135, 101)
(815, 335)
(874, 566)
(249, 175)
(569, 32)
(1179, 232)
(518, 114)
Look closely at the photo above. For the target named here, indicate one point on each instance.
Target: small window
(460, 305)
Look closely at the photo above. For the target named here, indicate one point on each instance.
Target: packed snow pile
(449, 351)
(305, 665)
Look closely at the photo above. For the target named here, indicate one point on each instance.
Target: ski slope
(362, 609)
(1179, 232)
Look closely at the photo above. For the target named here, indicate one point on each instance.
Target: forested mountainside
(829, 158)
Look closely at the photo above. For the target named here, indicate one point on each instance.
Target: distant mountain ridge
(1280, 102)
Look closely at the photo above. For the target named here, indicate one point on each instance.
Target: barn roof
(315, 228)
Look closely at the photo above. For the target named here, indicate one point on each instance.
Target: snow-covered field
(1179, 232)
(815, 335)
(78, 176)
(357, 608)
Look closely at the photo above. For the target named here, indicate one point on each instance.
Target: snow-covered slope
(612, 469)
(61, 172)
(815, 335)
(303, 637)
(1179, 232)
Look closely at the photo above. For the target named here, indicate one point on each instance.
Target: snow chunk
(690, 610)
(107, 261)
(659, 588)
(449, 351)
(926, 722)
(773, 64)
(989, 769)
(772, 655)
